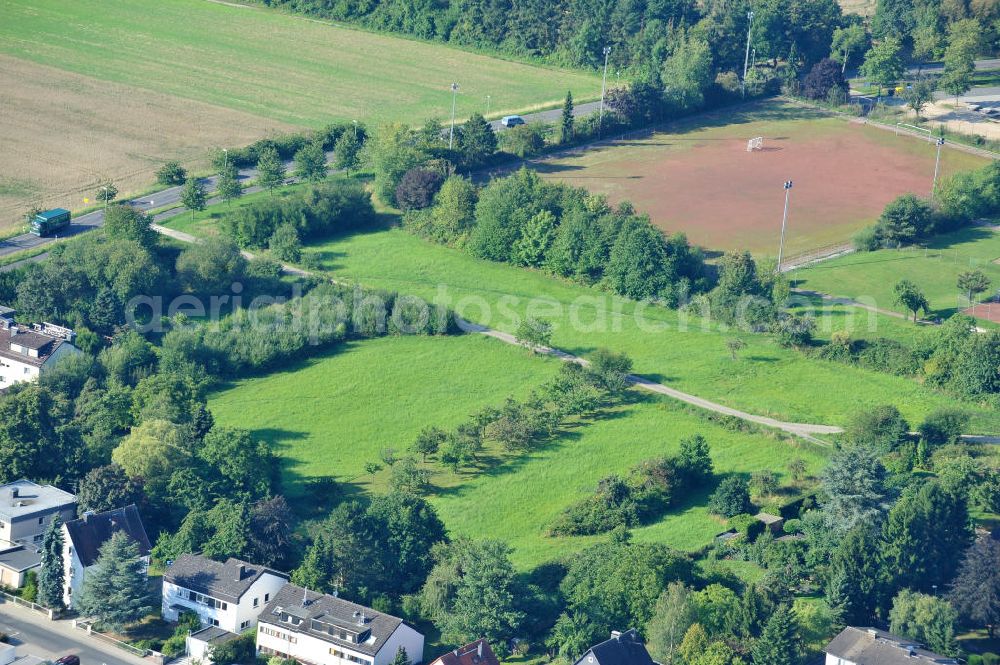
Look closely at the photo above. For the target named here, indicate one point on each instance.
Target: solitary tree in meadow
(973, 282)
(735, 345)
(907, 294)
(534, 333)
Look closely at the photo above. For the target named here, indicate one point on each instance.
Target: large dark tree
(826, 75)
(779, 642)
(856, 584)
(926, 534)
(270, 532)
(975, 593)
(417, 188)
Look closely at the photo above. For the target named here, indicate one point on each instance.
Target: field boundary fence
(9, 597)
(87, 626)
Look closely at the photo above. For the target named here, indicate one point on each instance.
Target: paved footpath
(34, 635)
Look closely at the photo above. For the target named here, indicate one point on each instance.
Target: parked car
(511, 121)
(69, 660)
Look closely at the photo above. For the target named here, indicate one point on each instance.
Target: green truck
(50, 221)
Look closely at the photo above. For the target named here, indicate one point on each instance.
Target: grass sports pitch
(696, 176)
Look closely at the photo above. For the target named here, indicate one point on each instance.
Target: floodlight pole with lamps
(454, 98)
(225, 159)
(355, 130)
(604, 85)
(784, 222)
(746, 56)
(937, 166)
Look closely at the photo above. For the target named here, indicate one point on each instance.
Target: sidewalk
(35, 635)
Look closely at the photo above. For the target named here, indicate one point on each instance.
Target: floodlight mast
(604, 85)
(937, 166)
(746, 56)
(784, 223)
(454, 97)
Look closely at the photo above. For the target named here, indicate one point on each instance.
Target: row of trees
(523, 220)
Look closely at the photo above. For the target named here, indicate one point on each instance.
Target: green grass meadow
(293, 69)
(674, 348)
(870, 276)
(679, 350)
(334, 413)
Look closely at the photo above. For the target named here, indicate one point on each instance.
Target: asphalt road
(34, 635)
(172, 195)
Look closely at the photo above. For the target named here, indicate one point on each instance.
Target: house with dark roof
(84, 537)
(622, 649)
(475, 653)
(871, 646)
(227, 595)
(322, 629)
(27, 351)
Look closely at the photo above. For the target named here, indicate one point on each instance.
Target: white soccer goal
(756, 143)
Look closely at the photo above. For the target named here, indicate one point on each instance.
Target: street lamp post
(355, 130)
(937, 166)
(225, 159)
(487, 105)
(454, 98)
(604, 85)
(104, 188)
(784, 222)
(746, 56)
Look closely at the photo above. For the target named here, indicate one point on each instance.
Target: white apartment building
(227, 595)
(321, 629)
(83, 538)
(25, 351)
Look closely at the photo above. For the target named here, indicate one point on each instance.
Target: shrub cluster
(651, 488)
(251, 341)
(315, 211)
(957, 358)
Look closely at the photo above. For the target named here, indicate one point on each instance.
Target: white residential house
(871, 646)
(26, 511)
(321, 629)
(226, 595)
(27, 351)
(83, 538)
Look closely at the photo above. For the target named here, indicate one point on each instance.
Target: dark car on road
(69, 660)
